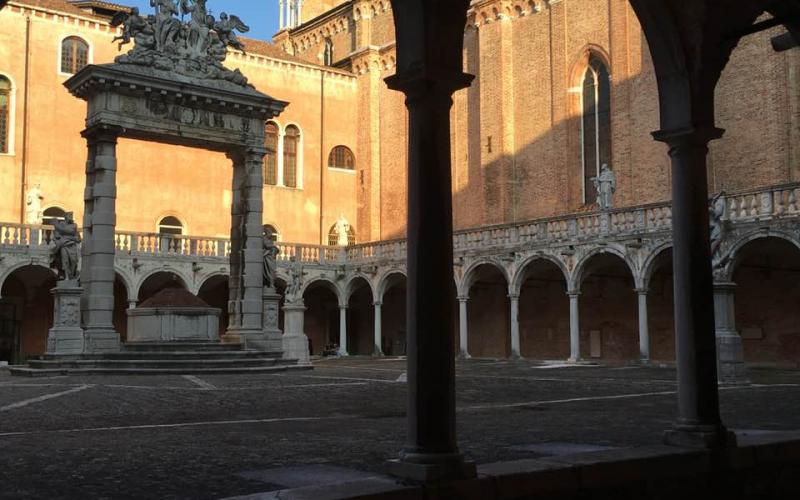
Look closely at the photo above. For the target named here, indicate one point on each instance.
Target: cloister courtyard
(217, 436)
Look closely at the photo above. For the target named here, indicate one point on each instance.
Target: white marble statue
(296, 274)
(606, 185)
(342, 230)
(33, 205)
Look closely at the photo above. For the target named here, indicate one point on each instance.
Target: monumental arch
(172, 88)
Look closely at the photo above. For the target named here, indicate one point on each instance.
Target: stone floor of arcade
(221, 436)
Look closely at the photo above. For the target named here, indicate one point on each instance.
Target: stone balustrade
(635, 233)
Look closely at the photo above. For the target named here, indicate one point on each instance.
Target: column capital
(343, 307)
(724, 285)
(463, 298)
(101, 133)
(420, 83)
(377, 303)
(513, 296)
(574, 293)
(695, 136)
(642, 290)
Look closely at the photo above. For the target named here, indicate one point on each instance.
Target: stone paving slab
(172, 437)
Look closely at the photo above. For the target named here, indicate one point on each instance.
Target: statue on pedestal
(64, 254)
(296, 274)
(606, 185)
(270, 264)
(33, 205)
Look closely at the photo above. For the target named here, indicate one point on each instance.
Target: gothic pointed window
(327, 55)
(74, 54)
(291, 147)
(271, 157)
(341, 157)
(595, 124)
(5, 114)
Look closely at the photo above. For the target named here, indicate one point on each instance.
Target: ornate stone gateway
(172, 88)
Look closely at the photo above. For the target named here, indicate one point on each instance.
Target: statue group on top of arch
(195, 48)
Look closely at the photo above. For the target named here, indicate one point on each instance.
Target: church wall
(393, 164)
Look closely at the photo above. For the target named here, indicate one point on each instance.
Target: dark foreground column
(698, 422)
(97, 273)
(431, 453)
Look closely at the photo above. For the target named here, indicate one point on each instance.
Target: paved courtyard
(218, 436)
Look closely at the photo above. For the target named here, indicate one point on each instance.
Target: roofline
(93, 19)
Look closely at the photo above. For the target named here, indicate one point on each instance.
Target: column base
(231, 338)
(264, 341)
(377, 352)
(464, 355)
(730, 360)
(65, 341)
(99, 341)
(515, 356)
(295, 346)
(573, 360)
(342, 353)
(705, 437)
(435, 469)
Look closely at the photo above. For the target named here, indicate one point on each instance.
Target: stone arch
(469, 274)
(214, 290)
(28, 305)
(323, 301)
(519, 276)
(349, 287)
(650, 261)
(8, 272)
(734, 251)
(124, 279)
(578, 274)
(383, 282)
(321, 280)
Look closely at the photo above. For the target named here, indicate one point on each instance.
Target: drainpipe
(321, 155)
(24, 153)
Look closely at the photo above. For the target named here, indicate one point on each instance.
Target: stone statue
(270, 264)
(718, 225)
(606, 185)
(296, 274)
(64, 254)
(196, 48)
(342, 230)
(33, 205)
(224, 28)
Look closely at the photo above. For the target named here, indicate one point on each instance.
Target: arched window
(170, 225)
(5, 114)
(327, 55)
(333, 236)
(595, 124)
(74, 54)
(272, 232)
(271, 158)
(291, 147)
(52, 214)
(341, 157)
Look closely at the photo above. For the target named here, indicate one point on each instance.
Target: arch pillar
(377, 351)
(516, 352)
(574, 326)
(644, 328)
(463, 332)
(730, 355)
(430, 39)
(343, 330)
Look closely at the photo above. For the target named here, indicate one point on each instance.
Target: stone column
(246, 244)
(281, 8)
(730, 362)
(698, 422)
(343, 330)
(574, 327)
(97, 273)
(463, 332)
(378, 351)
(295, 342)
(644, 329)
(431, 452)
(515, 341)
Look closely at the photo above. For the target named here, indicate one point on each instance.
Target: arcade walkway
(218, 436)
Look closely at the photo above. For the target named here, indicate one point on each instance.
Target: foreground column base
(701, 436)
(99, 341)
(447, 467)
(730, 360)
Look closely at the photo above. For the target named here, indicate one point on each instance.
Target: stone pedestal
(270, 337)
(730, 356)
(295, 342)
(66, 336)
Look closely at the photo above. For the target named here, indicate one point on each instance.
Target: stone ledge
(641, 473)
